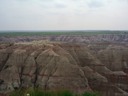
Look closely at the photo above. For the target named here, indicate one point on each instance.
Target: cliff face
(53, 66)
(114, 57)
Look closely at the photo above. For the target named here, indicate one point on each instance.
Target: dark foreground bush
(38, 92)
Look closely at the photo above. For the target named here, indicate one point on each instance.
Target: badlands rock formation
(53, 66)
(115, 38)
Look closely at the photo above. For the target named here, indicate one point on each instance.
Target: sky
(63, 14)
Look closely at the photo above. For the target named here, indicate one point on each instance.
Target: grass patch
(48, 33)
(39, 92)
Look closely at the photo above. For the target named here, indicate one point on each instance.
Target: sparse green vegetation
(44, 33)
(90, 94)
(38, 92)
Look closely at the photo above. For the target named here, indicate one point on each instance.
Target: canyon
(78, 63)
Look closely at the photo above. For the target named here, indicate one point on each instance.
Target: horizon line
(56, 30)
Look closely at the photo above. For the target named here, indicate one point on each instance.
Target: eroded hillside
(53, 66)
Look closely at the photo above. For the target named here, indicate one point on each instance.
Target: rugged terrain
(103, 38)
(115, 38)
(95, 63)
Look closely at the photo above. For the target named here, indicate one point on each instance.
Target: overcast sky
(63, 14)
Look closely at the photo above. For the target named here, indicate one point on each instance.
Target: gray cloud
(60, 5)
(95, 3)
(63, 14)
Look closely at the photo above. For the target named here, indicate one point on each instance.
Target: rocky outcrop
(54, 66)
